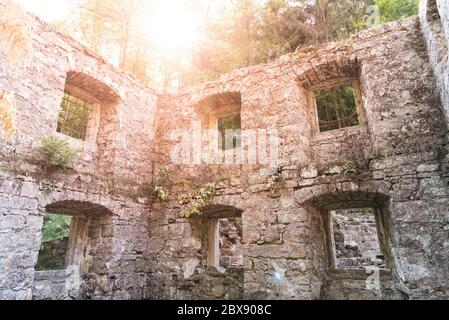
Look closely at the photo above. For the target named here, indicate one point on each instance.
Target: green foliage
(47, 188)
(392, 10)
(162, 193)
(161, 177)
(348, 168)
(231, 34)
(55, 233)
(233, 122)
(57, 152)
(160, 182)
(336, 108)
(197, 201)
(56, 226)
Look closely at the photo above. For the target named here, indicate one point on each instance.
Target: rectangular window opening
(225, 247)
(230, 233)
(73, 117)
(355, 237)
(336, 108)
(229, 129)
(55, 241)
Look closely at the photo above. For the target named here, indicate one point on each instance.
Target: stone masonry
(125, 243)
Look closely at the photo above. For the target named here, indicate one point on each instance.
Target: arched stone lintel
(215, 101)
(216, 211)
(340, 67)
(344, 195)
(76, 203)
(95, 87)
(77, 208)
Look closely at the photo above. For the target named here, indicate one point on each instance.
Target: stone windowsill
(331, 136)
(357, 274)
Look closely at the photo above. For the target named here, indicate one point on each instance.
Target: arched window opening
(356, 231)
(334, 95)
(69, 231)
(221, 115)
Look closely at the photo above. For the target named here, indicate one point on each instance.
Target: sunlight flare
(173, 28)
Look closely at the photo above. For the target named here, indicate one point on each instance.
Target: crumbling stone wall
(56, 284)
(434, 17)
(379, 163)
(107, 176)
(140, 247)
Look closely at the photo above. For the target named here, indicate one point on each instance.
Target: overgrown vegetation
(162, 193)
(56, 152)
(194, 202)
(56, 226)
(344, 167)
(230, 34)
(392, 10)
(160, 183)
(55, 233)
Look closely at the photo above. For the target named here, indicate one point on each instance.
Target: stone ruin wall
(107, 174)
(142, 249)
(400, 156)
(436, 33)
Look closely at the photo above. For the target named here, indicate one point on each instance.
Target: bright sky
(172, 26)
(169, 24)
(49, 10)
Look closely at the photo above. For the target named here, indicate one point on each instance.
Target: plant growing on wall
(56, 152)
(56, 226)
(198, 200)
(346, 167)
(160, 182)
(162, 193)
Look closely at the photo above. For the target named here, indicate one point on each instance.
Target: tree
(392, 10)
(106, 22)
(283, 27)
(231, 34)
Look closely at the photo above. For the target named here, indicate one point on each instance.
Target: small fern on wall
(56, 152)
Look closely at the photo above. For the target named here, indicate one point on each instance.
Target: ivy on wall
(195, 202)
